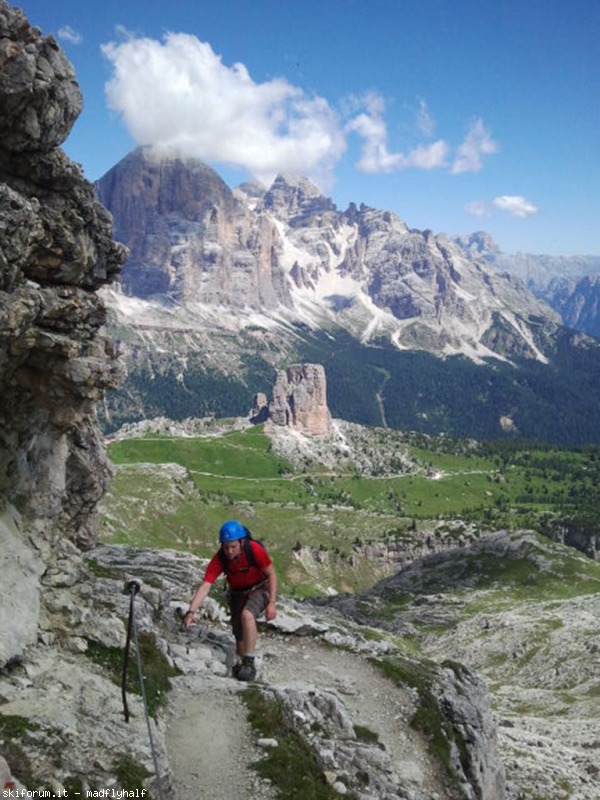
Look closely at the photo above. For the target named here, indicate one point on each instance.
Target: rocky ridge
(539, 655)
(568, 284)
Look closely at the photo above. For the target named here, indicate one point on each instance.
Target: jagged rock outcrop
(517, 646)
(56, 249)
(300, 400)
(289, 252)
(298, 201)
(260, 408)
(585, 538)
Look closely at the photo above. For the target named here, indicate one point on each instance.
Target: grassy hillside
(339, 528)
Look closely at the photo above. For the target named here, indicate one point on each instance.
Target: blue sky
(458, 116)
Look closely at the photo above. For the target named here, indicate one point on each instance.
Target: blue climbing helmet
(231, 531)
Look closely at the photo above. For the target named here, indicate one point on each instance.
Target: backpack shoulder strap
(250, 558)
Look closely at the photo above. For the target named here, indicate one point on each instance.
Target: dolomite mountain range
(223, 287)
(288, 254)
(61, 595)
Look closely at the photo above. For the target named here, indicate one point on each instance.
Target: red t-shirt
(240, 574)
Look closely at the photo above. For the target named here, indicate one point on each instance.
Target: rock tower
(300, 400)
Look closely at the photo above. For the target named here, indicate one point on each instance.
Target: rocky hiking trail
(212, 746)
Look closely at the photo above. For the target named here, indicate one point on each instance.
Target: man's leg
(254, 606)
(247, 646)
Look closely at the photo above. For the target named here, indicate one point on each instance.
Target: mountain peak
(305, 185)
(148, 181)
(477, 244)
(296, 199)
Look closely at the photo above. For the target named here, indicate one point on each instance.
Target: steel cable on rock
(133, 588)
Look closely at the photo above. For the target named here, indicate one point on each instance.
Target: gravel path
(211, 745)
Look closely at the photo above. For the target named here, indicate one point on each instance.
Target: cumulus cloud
(178, 94)
(376, 157)
(68, 34)
(515, 205)
(477, 143)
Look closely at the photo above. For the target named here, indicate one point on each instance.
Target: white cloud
(425, 121)
(478, 208)
(515, 205)
(478, 142)
(68, 34)
(178, 94)
(375, 154)
(428, 156)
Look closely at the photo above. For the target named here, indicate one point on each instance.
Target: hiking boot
(246, 671)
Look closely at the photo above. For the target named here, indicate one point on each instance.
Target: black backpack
(247, 551)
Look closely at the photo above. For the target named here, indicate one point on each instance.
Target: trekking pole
(133, 588)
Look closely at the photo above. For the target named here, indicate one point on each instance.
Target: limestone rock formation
(56, 249)
(260, 408)
(300, 400)
(190, 237)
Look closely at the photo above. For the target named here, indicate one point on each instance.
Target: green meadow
(175, 493)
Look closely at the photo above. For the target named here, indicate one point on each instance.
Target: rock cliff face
(568, 284)
(189, 237)
(56, 249)
(577, 301)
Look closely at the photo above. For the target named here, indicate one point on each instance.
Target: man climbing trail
(252, 583)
